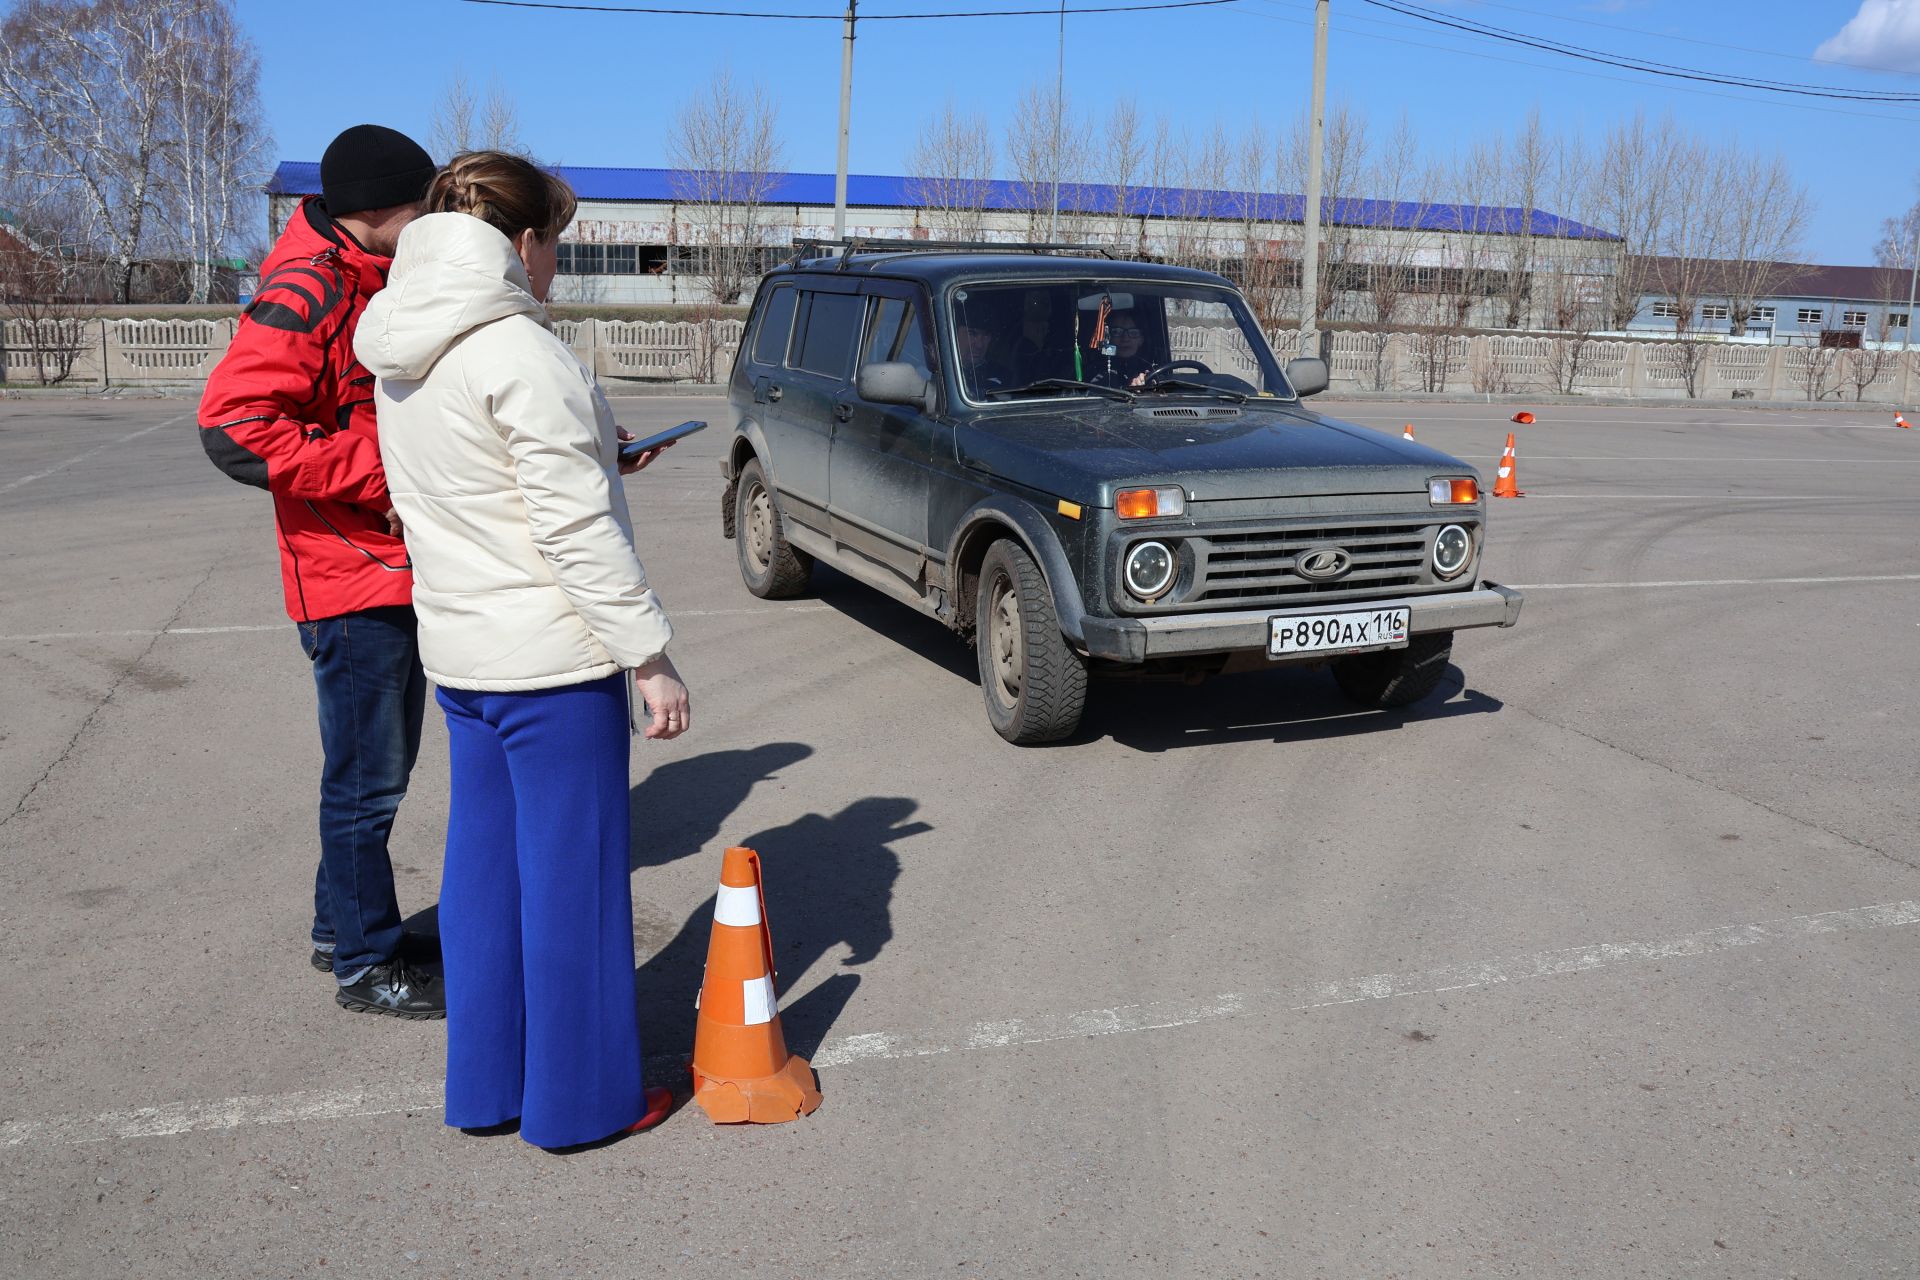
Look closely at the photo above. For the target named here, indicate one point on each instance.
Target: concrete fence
(161, 353)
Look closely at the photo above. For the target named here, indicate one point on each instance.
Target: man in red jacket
(290, 410)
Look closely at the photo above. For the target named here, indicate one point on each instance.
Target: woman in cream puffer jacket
(502, 459)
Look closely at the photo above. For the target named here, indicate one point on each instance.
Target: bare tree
(1630, 199)
(1693, 236)
(726, 152)
(952, 173)
(1527, 160)
(38, 269)
(1124, 149)
(1343, 169)
(1763, 215)
(464, 121)
(1816, 369)
(1045, 144)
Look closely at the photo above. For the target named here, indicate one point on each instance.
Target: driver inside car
(1127, 366)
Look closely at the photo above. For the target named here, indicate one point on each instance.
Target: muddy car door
(879, 480)
(798, 400)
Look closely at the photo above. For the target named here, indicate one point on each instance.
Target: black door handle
(842, 411)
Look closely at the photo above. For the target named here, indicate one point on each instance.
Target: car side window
(776, 326)
(895, 336)
(829, 334)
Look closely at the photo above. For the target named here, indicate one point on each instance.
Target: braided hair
(509, 193)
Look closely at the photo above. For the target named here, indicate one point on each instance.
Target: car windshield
(1084, 337)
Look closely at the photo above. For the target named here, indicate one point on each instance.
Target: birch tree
(951, 168)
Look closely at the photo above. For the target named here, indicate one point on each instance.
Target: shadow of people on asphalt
(1301, 705)
(680, 807)
(829, 881)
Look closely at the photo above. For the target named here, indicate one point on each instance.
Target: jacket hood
(451, 274)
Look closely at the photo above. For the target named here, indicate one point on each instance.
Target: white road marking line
(1576, 423)
(1639, 458)
(11, 485)
(1716, 582)
(282, 626)
(289, 1108)
(1720, 497)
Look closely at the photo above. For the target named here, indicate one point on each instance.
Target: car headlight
(1150, 569)
(1444, 493)
(1452, 551)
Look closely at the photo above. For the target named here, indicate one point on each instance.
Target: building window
(1853, 319)
(1811, 315)
(623, 260)
(1763, 313)
(1714, 311)
(1896, 319)
(1666, 311)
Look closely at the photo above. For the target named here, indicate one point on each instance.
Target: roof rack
(806, 249)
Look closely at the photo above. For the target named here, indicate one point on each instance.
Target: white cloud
(1885, 34)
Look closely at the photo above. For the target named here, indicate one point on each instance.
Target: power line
(556, 6)
(1572, 71)
(1643, 66)
(1711, 44)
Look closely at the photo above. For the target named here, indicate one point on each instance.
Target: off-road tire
(772, 568)
(1396, 677)
(1035, 687)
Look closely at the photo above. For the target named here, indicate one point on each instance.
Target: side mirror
(894, 382)
(1308, 374)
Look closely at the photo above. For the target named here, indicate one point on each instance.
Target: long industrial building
(637, 238)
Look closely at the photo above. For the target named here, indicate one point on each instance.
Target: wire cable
(555, 5)
(1644, 66)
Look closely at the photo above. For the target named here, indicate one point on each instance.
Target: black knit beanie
(372, 167)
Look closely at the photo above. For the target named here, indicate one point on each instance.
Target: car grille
(1256, 567)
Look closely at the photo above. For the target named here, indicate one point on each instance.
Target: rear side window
(776, 326)
(830, 332)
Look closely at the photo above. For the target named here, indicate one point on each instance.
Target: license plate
(1323, 632)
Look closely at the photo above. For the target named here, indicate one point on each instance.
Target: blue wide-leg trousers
(536, 914)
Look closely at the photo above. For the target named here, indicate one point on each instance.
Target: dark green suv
(1088, 465)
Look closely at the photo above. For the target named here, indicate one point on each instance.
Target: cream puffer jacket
(503, 464)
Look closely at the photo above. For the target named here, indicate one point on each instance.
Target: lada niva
(1088, 466)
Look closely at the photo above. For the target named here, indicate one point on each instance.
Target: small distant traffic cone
(742, 1072)
(1408, 433)
(1524, 418)
(1899, 420)
(1506, 483)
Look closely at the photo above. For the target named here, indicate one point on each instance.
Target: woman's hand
(645, 460)
(658, 685)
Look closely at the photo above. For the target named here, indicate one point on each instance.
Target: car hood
(1085, 453)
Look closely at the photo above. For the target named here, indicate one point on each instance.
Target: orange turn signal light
(1140, 504)
(1453, 492)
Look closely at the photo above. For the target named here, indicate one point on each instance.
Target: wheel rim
(759, 531)
(1006, 642)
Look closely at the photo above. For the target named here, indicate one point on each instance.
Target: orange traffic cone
(742, 1072)
(1524, 418)
(1899, 420)
(1506, 483)
(1408, 433)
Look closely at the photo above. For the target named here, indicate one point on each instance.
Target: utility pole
(1913, 278)
(846, 116)
(1316, 143)
(1059, 103)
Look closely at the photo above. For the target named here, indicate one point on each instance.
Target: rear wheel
(770, 566)
(1035, 686)
(1396, 677)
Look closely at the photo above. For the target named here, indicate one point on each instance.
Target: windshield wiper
(1068, 384)
(1182, 384)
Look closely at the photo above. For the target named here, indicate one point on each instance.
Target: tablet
(630, 450)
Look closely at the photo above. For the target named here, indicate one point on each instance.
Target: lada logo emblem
(1323, 564)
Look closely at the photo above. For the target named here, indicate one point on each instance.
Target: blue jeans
(366, 669)
(536, 914)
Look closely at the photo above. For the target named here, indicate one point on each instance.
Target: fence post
(104, 354)
(1776, 356)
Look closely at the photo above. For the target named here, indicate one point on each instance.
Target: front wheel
(1396, 677)
(1035, 686)
(772, 568)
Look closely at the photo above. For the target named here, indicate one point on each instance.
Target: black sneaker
(321, 960)
(397, 989)
(420, 948)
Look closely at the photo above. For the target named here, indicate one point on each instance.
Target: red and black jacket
(289, 409)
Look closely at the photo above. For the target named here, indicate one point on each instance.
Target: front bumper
(1135, 640)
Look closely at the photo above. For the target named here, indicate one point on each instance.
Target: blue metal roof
(872, 190)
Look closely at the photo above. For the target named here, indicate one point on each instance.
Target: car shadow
(1284, 705)
(829, 882)
(923, 636)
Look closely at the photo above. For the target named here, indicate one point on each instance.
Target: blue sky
(602, 88)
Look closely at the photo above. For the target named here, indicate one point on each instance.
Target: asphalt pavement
(1604, 963)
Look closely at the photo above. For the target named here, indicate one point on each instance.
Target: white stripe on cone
(737, 906)
(756, 997)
